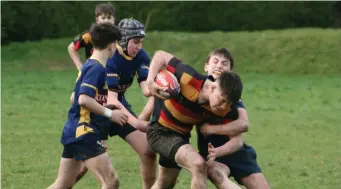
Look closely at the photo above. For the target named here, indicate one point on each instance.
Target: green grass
(292, 94)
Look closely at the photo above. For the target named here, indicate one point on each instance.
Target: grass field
(292, 93)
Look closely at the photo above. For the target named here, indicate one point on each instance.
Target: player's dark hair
(106, 9)
(104, 34)
(221, 51)
(231, 85)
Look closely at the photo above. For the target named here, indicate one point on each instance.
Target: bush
(36, 20)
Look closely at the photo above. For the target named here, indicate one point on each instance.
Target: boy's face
(105, 18)
(134, 46)
(217, 99)
(216, 65)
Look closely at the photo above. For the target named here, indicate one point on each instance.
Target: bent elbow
(82, 100)
(245, 126)
(146, 93)
(71, 47)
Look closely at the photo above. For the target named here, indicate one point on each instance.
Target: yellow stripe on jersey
(84, 115)
(188, 90)
(120, 50)
(173, 127)
(91, 86)
(79, 75)
(82, 130)
(178, 115)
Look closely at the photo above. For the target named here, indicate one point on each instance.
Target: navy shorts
(241, 163)
(109, 128)
(83, 150)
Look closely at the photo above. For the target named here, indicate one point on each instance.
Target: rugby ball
(166, 79)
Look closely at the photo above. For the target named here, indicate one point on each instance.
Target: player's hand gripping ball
(166, 79)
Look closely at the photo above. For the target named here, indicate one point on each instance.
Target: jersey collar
(120, 50)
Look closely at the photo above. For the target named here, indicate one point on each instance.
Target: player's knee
(198, 166)
(149, 155)
(215, 174)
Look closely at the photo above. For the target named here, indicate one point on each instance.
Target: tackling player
(242, 164)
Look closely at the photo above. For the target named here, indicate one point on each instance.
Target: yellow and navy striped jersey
(183, 112)
(81, 123)
(121, 70)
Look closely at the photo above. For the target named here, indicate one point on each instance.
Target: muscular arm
(147, 110)
(232, 128)
(160, 60)
(144, 89)
(233, 145)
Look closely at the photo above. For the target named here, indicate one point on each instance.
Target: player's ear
(112, 46)
(205, 68)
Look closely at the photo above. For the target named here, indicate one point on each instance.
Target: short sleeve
(112, 74)
(82, 40)
(92, 79)
(143, 68)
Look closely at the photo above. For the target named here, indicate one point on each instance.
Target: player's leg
(255, 181)
(166, 178)
(68, 169)
(102, 167)
(218, 174)
(82, 171)
(168, 174)
(188, 158)
(138, 141)
(104, 140)
(174, 146)
(245, 169)
(96, 159)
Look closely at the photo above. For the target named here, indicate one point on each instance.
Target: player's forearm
(132, 120)
(113, 99)
(147, 110)
(158, 62)
(91, 104)
(74, 56)
(144, 89)
(230, 129)
(233, 145)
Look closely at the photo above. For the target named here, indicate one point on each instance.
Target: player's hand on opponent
(204, 129)
(211, 153)
(113, 106)
(139, 124)
(154, 89)
(119, 117)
